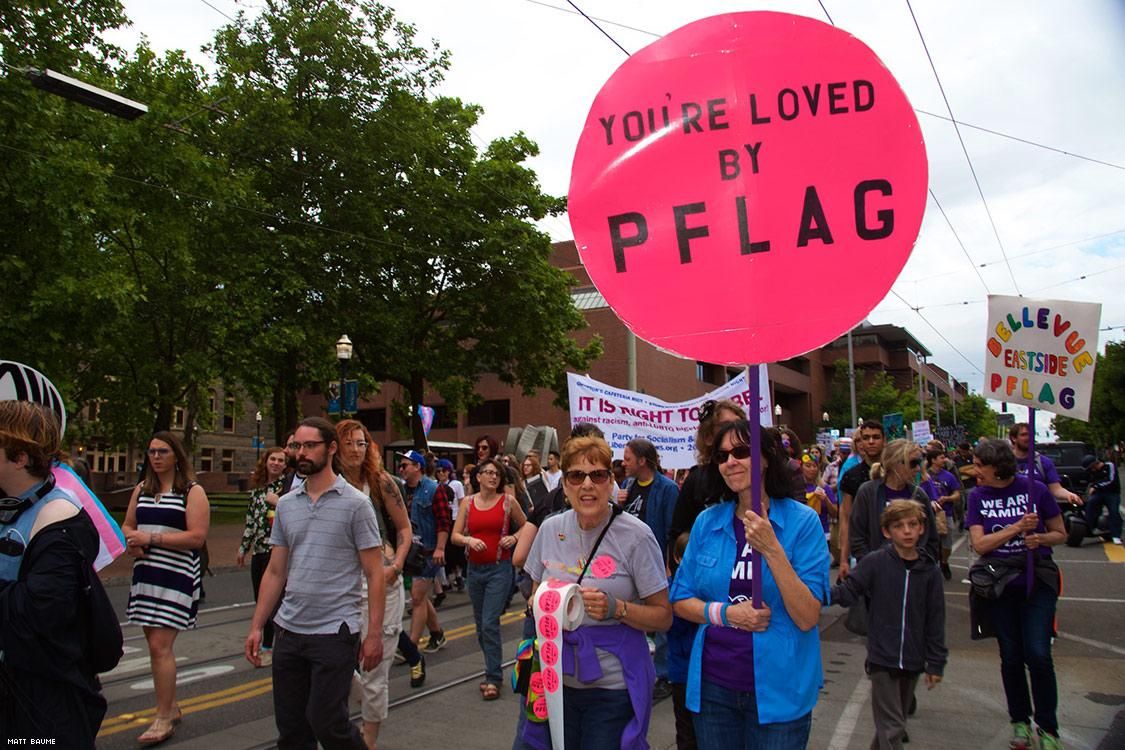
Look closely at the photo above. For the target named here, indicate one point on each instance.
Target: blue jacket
(422, 513)
(659, 508)
(787, 669)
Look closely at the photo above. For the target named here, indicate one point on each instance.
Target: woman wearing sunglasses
(616, 561)
(893, 478)
(165, 526)
(754, 674)
(486, 526)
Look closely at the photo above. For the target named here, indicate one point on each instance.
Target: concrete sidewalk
(222, 545)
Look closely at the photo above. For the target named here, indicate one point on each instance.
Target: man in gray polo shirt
(325, 541)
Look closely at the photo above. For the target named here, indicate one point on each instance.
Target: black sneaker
(435, 643)
(946, 572)
(439, 600)
(660, 690)
(418, 672)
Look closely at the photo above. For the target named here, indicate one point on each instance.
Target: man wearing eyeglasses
(47, 690)
(869, 442)
(325, 539)
(431, 518)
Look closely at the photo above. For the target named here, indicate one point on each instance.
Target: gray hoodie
(905, 610)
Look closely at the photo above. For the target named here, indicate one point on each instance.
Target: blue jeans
(595, 718)
(489, 586)
(1023, 629)
(728, 720)
(660, 655)
(1111, 500)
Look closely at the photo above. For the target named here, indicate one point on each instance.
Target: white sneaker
(1117, 540)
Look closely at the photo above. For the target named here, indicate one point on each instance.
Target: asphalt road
(228, 704)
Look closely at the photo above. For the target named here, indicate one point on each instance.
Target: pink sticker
(549, 653)
(603, 567)
(539, 708)
(735, 153)
(555, 583)
(549, 627)
(549, 601)
(551, 680)
(537, 683)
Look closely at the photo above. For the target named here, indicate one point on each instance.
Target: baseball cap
(413, 456)
(1088, 461)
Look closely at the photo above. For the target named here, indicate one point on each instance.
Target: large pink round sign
(747, 188)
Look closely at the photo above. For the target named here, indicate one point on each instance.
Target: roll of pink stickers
(549, 653)
(537, 683)
(724, 163)
(551, 680)
(603, 567)
(550, 601)
(549, 627)
(539, 708)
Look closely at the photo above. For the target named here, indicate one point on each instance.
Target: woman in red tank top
(485, 526)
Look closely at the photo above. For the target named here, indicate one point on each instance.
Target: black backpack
(103, 644)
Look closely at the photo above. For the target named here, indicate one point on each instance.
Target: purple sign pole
(755, 412)
(1030, 494)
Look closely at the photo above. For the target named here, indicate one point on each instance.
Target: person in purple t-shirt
(1020, 437)
(818, 496)
(945, 490)
(1009, 515)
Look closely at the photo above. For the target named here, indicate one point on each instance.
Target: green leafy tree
(1106, 426)
(396, 230)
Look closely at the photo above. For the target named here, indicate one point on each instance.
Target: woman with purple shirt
(754, 673)
(1015, 520)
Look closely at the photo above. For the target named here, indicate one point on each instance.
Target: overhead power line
(599, 28)
(917, 311)
(959, 242)
(964, 149)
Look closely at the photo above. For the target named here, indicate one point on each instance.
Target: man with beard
(325, 539)
(869, 443)
(1020, 437)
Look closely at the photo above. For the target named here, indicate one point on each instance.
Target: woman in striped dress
(165, 526)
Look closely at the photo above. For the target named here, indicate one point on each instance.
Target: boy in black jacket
(905, 619)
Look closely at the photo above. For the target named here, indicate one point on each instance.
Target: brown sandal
(489, 692)
(161, 729)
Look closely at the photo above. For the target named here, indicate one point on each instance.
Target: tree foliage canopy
(313, 185)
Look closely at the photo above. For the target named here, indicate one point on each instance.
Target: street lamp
(258, 435)
(344, 349)
(824, 418)
(777, 413)
(84, 93)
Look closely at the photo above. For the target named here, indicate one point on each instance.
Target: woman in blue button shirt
(754, 674)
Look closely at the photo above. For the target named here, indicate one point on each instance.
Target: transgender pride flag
(111, 540)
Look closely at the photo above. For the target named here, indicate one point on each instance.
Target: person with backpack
(54, 633)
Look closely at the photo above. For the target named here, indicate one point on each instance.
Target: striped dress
(166, 582)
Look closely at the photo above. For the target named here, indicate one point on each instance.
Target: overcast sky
(1039, 70)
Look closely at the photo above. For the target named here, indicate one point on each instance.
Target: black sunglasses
(597, 476)
(741, 452)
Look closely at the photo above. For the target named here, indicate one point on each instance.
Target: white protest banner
(1041, 353)
(623, 415)
(921, 431)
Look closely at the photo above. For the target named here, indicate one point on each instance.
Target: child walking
(905, 619)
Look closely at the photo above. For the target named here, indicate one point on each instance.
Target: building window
(444, 418)
(228, 460)
(709, 373)
(489, 413)
(207, 459)
(375, 420)
(179, 417)
(228, 414)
